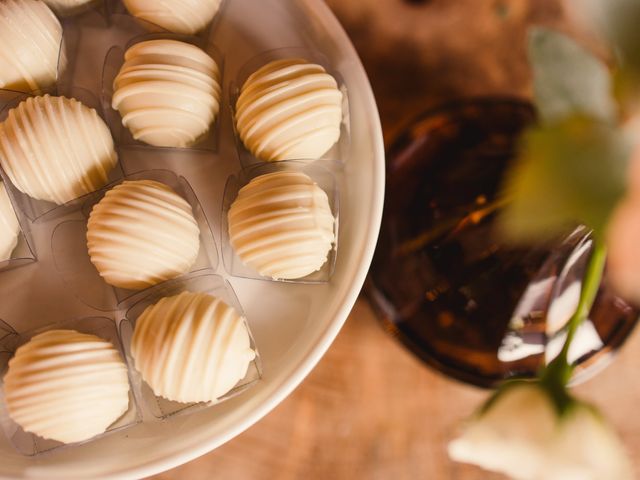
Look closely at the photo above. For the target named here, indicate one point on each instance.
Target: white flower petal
(522, 436)
(512, 436)
(586, 448)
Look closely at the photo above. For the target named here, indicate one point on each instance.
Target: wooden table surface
(370, 410)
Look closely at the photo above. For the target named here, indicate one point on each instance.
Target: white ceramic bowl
(293, 325)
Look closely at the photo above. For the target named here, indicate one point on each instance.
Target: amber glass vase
(445, 283)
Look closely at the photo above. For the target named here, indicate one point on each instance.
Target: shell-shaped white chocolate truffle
(168, 92)
(289, 109)
(191, 347)
(9, 226)
(56, 149)
(30, 35)
(281, 225)
(183, 16)
(142, 233)
(66, 386)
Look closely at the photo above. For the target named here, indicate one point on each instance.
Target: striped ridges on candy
(56, 149)
(281, 225)
(142, 233)
(289, 109)
(191, 347)
(66, 386)
(31, 37)
(167, 92)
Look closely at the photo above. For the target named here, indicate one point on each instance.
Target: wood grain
(370, 410)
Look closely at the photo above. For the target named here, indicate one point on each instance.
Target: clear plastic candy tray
(144, 405)
(289, 322)
(320, 175)
(153, 405)
(114, 60)
(24, 252)
(41, 210)
(337, 154)
(28, 443)
(69, 244)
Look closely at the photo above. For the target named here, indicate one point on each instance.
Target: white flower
(586, 447)
(522, 435)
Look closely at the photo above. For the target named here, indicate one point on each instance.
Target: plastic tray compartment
(77, 22)
(28, 443)
(71, 257)
(24, 252)
(319, 174)
(64, 12)
(338, 153)
(151, 405)
(129, 32)
(5, 331)
(40, 211)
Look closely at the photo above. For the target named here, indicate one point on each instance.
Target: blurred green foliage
(572, 165)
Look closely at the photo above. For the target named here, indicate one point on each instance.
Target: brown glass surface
(442, 278)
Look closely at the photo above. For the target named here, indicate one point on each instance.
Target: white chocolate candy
(191, 347)
(281, 225)
(142, 233)
(30, 35)
(183, 16)
(56, 149)
(289, 109)
(168, 92)
(9, 226)
(66, 386)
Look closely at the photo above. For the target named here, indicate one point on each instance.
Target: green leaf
(567, 79)
(569, 172)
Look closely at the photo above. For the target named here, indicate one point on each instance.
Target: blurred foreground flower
(580, 165)
(623, 237)
(523, 432)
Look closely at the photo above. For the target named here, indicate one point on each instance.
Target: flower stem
(559, 371)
